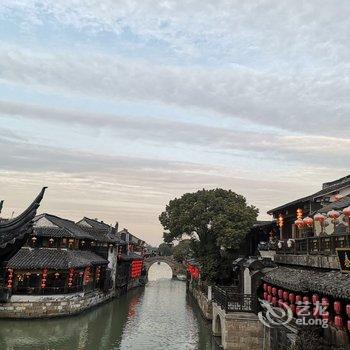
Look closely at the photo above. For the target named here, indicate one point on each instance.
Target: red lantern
(269, 298)
(292, 298)
(299, 223)
(280, 293)
(274, 291)
(308, 221)
(269, 289)
(319, 218)
(306, 300)
(265, 295)
(285, 295)
(265, 287)
(346, 211)
(333, 214)
(348, 310)
(325, 315)
(324, 301)
(337, 307)
(315, 299)
(338, 321)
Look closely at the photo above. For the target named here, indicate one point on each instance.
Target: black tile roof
(14, 232)
(59, 259)
(338, 205)
(332, 283)
(102, 235)
(329, 187)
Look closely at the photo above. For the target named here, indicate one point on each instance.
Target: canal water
(158, 317)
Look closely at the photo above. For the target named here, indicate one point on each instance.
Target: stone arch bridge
(176, 267)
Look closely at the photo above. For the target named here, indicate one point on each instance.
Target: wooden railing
(326, 245)
(231, 301)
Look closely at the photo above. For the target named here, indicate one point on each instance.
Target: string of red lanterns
(297, 303)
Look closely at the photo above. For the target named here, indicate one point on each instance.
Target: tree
(214, 219)
(165, 249)
(182, 250)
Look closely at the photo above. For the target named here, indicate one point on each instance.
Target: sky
(119, 106)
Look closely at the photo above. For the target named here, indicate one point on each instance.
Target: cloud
(303, 103)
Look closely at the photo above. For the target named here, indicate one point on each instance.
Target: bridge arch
(176, 267)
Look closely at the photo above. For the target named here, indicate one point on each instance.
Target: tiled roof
(97, 224)
(332, 283)
(331, 187)
(14, 232)
(338, 205)
(59, 259)
(102, 235)
(60, 232)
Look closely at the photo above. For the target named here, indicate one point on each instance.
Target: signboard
(344, 259)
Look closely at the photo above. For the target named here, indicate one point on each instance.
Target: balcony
(324, 245)
(231, 301)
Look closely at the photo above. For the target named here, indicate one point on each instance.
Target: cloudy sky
(119, 106)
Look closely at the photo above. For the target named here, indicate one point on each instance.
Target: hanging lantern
(308, 221)
(265, 295)
(280, 221)
(338, 197)
(324, 301)
(292, 298)
(346, 211)
(338, 321)
(325, 315)
(34, 239)
(57, 274)
(333, 214)
(274, 291)
(306, 300)
(300, 214)
(280, 293)
(265, 287)
(51, 240)
(285, 296)
(315, 299)
(299, 223)
(269, 289)
(319, 218)
(337, 307)
(348, 310)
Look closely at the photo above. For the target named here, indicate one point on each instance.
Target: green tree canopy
(165, 249)
(182, 250)
(213, 219)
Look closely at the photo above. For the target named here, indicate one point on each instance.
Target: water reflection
(159, 317)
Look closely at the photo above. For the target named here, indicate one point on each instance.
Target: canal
(157, 317)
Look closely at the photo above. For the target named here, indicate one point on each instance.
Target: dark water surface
(158, 317)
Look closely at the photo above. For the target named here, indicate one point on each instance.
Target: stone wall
(40, 306)
(238, 330)
(204, 304)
